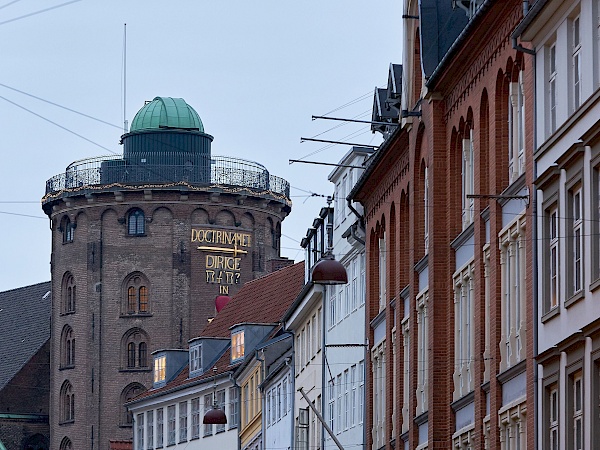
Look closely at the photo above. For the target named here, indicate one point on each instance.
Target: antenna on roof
(125, 127)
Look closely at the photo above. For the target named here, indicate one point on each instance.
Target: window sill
(136, 369)
(574, 298)
(67, 422)
(550, 314)
(595, 285)
(220, 431)
(136, 315)
(137, 236)
(67, 313)
(72, 366)
(125, 425)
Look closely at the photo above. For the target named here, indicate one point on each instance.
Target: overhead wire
(41, 11)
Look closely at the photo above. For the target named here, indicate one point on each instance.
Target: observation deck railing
(224, 170)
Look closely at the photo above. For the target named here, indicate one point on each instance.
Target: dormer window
(160, 365)
(196, 358)
(237, 345)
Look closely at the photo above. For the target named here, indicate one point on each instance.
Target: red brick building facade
(449, 238)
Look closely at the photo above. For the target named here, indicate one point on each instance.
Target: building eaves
(456, 45)
(533, 12)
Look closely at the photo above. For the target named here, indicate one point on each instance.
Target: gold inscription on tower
(224, 251)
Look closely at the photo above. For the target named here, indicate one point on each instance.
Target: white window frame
(516, 129)
(463, 334)
(551, 94)
(382, 273)
(577, 233)
(423, 354)
(576, 61)
(426, 210)
(468, 179)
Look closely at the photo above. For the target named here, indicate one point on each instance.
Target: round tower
(142, 244)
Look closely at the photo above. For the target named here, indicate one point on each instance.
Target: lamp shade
(221, 301)
(215, 416)
(329, 271)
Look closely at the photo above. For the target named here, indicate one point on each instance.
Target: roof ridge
(25, 287)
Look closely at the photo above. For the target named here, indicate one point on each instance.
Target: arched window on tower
(66, 444)
(136, 223)
(138, 295)
(129, 393)
(67, 403)
(135, 350)
(67, 348)
(68, 230)
(69, 294)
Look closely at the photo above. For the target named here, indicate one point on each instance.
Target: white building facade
(566, 39)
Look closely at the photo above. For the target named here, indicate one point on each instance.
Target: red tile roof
(263, 300)
(120, 445)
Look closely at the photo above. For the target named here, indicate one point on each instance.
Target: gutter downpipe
(293, 390)
(324, 293)
(534, 236)
(263, 400)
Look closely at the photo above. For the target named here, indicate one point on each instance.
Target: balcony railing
(223, 170)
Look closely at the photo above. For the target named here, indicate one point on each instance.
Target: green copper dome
(166, 112)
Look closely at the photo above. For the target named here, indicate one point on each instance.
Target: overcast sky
(254, 70)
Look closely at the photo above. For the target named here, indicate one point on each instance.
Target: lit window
(237, 345)
(137, 295)
(160, 364)
(136, 223)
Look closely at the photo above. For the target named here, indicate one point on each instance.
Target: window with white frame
(340, 406)
(513, 427)
(551, 222)
(150, 429)
(361, 285)
(195, 358)
(512, 262)
(486, 351)
(379, 389)
(551, 92)
(576, 61)
(355, 292)
(516, 129)
(160, 430)
(468, 178)
(195, 413)
(463, 332)
(285, 403)
(208, 402)
(353, 399)
(220, 400)
(269, 410)
(331, 404)
(426, 209)
(576, 247)
(347, 297)
(183, 421)
(361, 391)
(140, 432)
(406, 373)
(382, 273)
(577, 410)
(234, 407)
(332, 306)
(237, 345)
(319, 336)
(171, 425)
(595, 220)
(552, 425)
(346, 399)
(423, 353)
(340, 305)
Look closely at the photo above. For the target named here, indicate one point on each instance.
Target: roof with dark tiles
(252, 304)
(24, 327)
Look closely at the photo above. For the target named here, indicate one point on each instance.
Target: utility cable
(37, 12)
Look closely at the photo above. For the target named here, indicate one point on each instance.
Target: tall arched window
(66, 444)
(67, 347)
(68, 230)
(129, 393)
(135, 350)
(138, 298)
(67, 403)
(69, 294)
(136, 222)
